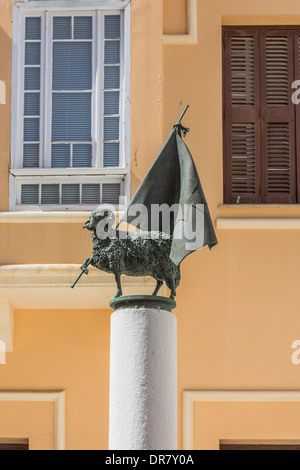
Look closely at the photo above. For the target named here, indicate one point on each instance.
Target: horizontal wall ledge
(258, 224)
(41, 217)
(70, 172)
(42, 286)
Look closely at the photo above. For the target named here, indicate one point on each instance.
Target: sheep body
(139, 254)
(134, 254)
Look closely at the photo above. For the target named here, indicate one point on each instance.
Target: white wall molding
(65, 4)
(258, 223)
(2, 92)
(56, 397)
(191, 38)
(196, 396)
(32, 172)
(6, 324)
(47, 217)
(49, 287)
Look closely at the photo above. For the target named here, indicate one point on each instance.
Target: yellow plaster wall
(33, 421)
(244, 421)
(59, 350)
(238, 308)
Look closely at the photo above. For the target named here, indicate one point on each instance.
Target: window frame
(18, 174)
(227, 194)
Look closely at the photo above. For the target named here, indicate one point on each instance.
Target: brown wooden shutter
(241, 115)
(297, 108)
(277, 117)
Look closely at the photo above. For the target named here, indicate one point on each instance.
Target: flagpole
(182, 116)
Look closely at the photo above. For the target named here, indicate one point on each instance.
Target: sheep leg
(158, 286)
(118, 281)
(173, 289)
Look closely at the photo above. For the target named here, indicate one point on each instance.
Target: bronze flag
(173, 179)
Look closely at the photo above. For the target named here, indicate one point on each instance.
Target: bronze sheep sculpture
(134, 254)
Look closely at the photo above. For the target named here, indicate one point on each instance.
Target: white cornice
(263, 223)
(49, 287)
(80, 4)
(105, 172)
(41, 217)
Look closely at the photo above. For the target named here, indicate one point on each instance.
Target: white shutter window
(70, 108)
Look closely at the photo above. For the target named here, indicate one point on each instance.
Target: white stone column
(143, 378)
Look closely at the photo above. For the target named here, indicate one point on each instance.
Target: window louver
(278, 156)
(50, 194)
(30, 194)
(111, 128)
(83, 27)
(32, 77)
(111, 78)
(90, 194)
(31, 104)
(62, 27)
(112, 27)
(111, 131)
(70, 194)
(277, 118)
(32, 28)
(110, 193)
(82, 155)
(72, 92)
(32, 53)
(72, 66)
(242, 71)
(61, 156)
(111, 102)
(277, 71)
(31, 155)
(241, 117)
(243, 158)
(71, 117)
(259, 118)
(111, 154)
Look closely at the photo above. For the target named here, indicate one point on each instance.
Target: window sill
(258, 223)
(45, 286)
(70, 171)
(259, 206)
(258, 217)
(42, 217)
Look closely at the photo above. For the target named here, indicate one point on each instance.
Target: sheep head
(96, 217)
